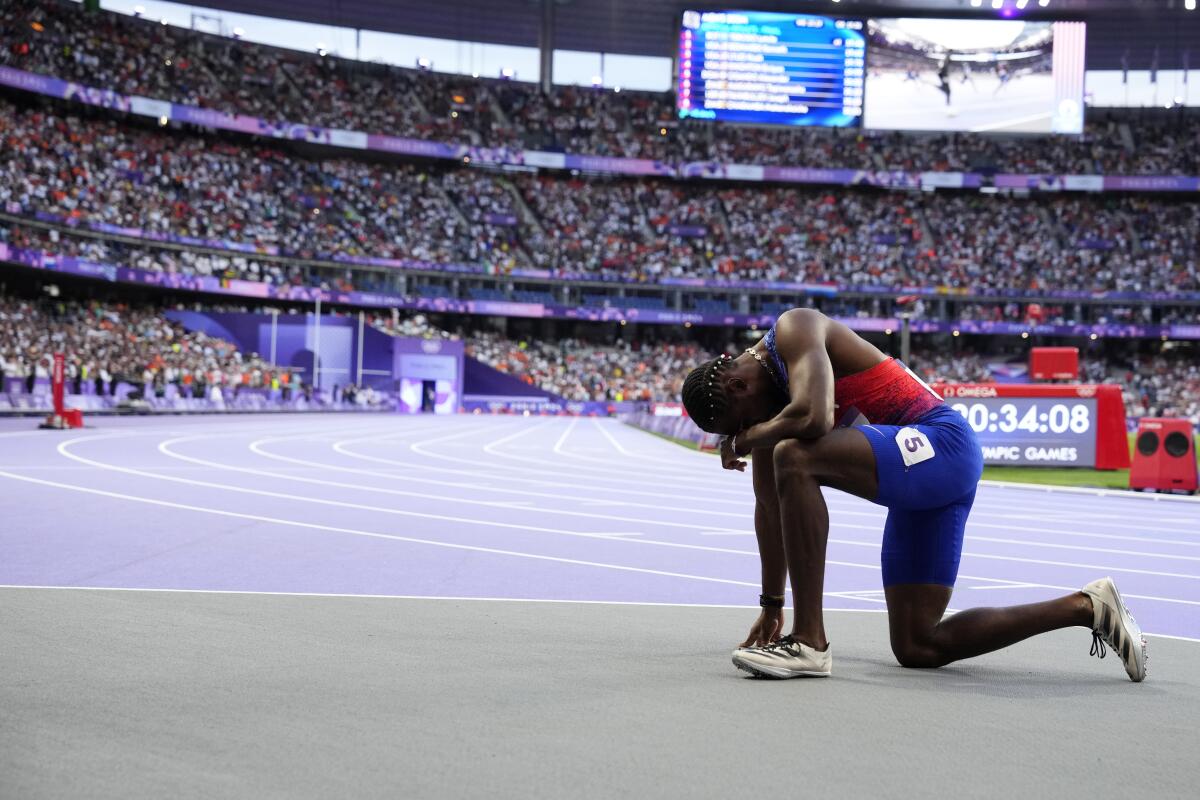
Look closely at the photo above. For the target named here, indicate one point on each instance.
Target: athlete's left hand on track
(729, 459)
(767, 628)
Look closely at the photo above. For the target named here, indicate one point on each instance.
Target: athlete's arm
(800, 337)
(768, 530)
(767, 524)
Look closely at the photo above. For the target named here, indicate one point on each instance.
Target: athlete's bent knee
(915, 655)
(792, 459)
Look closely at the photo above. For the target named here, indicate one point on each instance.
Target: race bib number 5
(914, 446)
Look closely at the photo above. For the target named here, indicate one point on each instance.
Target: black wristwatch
(768, 601)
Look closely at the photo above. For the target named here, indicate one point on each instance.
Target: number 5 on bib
(914, 446)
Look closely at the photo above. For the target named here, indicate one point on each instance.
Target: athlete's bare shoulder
(804, 328)
(803, 325)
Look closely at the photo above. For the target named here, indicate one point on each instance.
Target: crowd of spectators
(101, 171)
(1091, 244)
(97, 170)
(138, 56)
(578, 370)
(632, 230)
(110, 343)
(411, 326)
(943, 366)
(1153, 385)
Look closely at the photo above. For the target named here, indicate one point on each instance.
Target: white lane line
(503, 465)
(258, 447)
(544, 470)
(65, 451)
(576, 456)
(1070, 564)
(1039, 491)
(609, 473)
(566, 432)
(982, 505)
(219, 512)
(650, 468)
(707, 487)
(158, 467)
(838, 504)
(462, 599)
(1124, 514)
(668, 544)
(1076, 534)
(620, 449)
(488, 448)
(1010, 586)
(871, 515)
(837, 501)
(966, 554)
(444, 598)
(1122, 494)
(173, 430)
(641, 457)
(165, 448)
(1088, 549)
(865, 597)
(1092, 521)
(661, 445)
(501, 471)
(673, 467)
(374, 534)
(416, 446)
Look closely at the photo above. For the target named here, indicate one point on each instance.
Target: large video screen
(758, 67)
(975, 75)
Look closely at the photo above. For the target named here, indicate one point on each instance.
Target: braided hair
(703, 393)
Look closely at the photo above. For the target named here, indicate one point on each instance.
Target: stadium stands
(136, 56)
(108, 344)
(115, 191)
(578, 370)
(163, 185)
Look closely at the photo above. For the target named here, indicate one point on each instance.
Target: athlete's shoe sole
(783, 659)
(1112, 620)
(776, 673)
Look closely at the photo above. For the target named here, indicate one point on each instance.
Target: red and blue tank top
(888, 393)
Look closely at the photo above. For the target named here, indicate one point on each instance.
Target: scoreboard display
(1044, 425)
(760, 67)
(1025, 431)
(953, 74)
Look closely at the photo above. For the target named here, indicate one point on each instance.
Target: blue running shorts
(927, 474)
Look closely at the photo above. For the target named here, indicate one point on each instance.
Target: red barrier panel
(57, 380)
(1054, 363)
(1108, 427)
(62, 417)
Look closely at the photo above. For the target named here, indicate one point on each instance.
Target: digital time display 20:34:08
(1032, 431)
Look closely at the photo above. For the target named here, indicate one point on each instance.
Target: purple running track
(509, 507)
